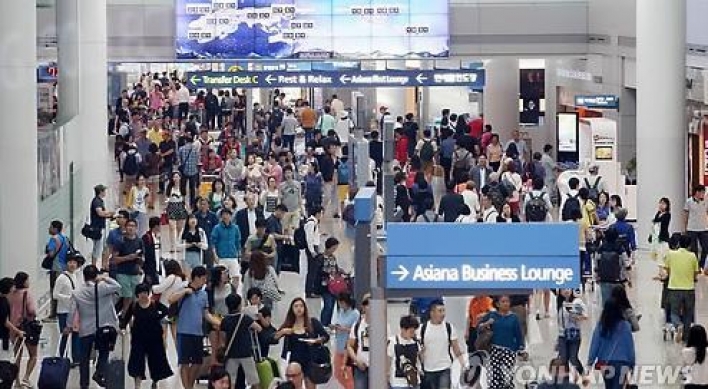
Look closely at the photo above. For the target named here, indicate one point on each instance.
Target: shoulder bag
(31, 328)
(105, 336)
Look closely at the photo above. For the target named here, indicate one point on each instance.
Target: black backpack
(593, 191)
(609, 267)
(571, 204)
(130, 164)
(406, 361)
(536, 208)
(427, 151)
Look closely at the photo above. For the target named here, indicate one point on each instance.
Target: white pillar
(93, 95)
(18, 149)
(661, 130)
(501, 96)
(67, 17)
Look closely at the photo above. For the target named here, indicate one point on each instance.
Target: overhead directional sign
(597, 101)
(343, 79)
(445, 256)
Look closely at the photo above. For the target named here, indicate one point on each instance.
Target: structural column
(18, 149)
(93, 94)
(501, 96)
(67, 18)
(661, 129)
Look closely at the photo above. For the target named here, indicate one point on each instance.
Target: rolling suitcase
(54, 372)
(267, 368)
(9, 370)
(115, 369)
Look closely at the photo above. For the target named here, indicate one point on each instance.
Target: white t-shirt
(697, 218)
(397, 382)
(471, 199)
(139, 195)
(362, 340)
(436, 354)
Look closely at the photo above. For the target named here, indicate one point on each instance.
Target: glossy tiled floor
(651, 349)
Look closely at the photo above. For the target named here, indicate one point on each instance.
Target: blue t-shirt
(346, 319)
(61, 255)
(226, 240)
(191, 313)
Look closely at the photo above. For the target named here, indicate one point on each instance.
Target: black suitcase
(54, 372)
(9, 370)
(115, 370)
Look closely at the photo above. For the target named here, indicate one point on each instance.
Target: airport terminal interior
(353, 194)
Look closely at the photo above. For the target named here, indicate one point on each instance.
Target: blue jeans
(87, 344)
(75, 341)
(614, 374)
(437, 379)
(328, 302)
(361, 379)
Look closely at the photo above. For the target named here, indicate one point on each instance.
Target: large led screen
(312, 29)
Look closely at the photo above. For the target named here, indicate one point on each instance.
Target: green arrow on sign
(195, 79)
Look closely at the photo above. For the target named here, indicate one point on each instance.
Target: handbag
(164, 219)
(106, 336)
(91, 232)
(223, 352)
(320, 364)
(338, 284)
(31, 328)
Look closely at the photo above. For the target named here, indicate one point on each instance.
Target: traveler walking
(98, 323)
(65, 287)
(192, 305)
(303, 334)
(440, 347)
(612, 347)
(506, 344)
(682, 268)
(144, 317)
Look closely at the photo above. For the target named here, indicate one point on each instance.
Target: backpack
(448, 326)
(300, 237)
(571, 204)
(462, 162)
(536, 209)
(497, 195)
(609, 267)
(343, 173)
(130, 164)
(406, 357)
(593, 191)
(507, 186)
(427, 152)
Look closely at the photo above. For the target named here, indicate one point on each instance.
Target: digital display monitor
(312, 29)
(567, 132)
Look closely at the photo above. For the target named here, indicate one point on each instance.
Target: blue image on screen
(342, 28)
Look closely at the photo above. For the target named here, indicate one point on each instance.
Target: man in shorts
(128, 258)
(226, 241)
(193, 309)
(98, 216)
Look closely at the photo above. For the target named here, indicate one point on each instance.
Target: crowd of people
(211, 209)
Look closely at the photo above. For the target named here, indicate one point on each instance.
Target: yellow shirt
(589, 214)
(155, 136)
(683, 266)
